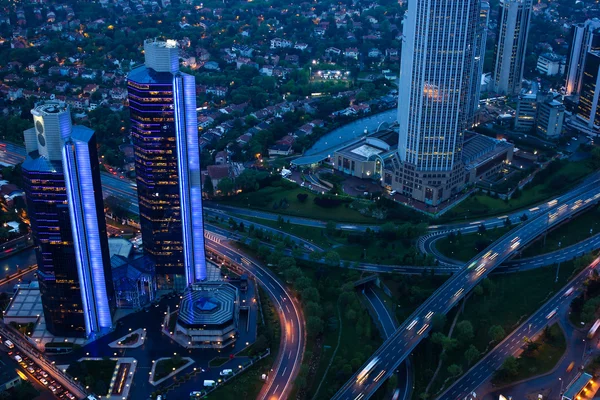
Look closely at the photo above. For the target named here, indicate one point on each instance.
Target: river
(21, 260)
(344, 134)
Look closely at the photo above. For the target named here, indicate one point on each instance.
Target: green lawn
(567, 234)
(165, 367)
(270, 199)
(507, 300)
(542, 360)
(484, 205)
(467, 246)
(312, 234)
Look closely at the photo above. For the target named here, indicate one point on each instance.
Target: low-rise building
(551, 64)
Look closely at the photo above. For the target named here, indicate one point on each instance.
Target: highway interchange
(513, 343)
(389, 356)
(401, 343)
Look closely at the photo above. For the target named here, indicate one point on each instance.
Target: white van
(209, 383)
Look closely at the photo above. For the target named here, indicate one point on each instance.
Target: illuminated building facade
(585, 38)
(515, 17)
(440, 56)
(588, 109)
(164, 130)
(64, 198)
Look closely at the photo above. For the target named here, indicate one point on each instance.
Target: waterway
(325, 146)
(21, 260)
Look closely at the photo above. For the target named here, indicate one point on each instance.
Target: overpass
(388, 357)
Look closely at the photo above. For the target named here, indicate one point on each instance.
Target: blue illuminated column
(84, 210)
(188, 166)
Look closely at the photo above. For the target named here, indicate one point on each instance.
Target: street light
(558, 266)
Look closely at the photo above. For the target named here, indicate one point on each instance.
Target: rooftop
(208, 303)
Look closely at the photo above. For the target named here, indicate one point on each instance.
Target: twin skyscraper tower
(64, 196)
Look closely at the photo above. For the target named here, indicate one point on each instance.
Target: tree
(225, 186)
(496, 333)
(455, 370)
(482, 229)
(437, 322)
(464, 331)
(510, 366)
(332, 258)
(208, 187)
(292, 274)
(471, 354)
(314, 325)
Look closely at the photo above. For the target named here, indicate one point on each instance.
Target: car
(197, 393)
(52, 388)
(30, 370)
(18, 358)
(393, 192)
(44, 374)
(226, 372)
(44, 382)
(70, 396)
(9, 344)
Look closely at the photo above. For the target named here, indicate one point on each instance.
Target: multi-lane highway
(389, 356)
(293, 338)
(513, 343)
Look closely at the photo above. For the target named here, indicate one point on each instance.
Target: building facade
(515, 17)
(64, 199)
(164, 129)
(550, 118)
(526, 112)
(587, 110)
(585, 38)
(435, 105)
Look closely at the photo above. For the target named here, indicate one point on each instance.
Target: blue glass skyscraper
(164, 130)
(64, 199)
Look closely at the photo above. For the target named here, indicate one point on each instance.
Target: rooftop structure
(208, 314)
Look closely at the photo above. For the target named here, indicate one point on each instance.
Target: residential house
(351, 52)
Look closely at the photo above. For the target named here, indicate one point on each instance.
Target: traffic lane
(513, 344)
(443, 299)
(383, 313)
(45, 393)
(292, 347)
(25, 348)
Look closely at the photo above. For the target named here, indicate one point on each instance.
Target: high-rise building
(515, 17)
(164, 129)
(439, 61)
(484, 18)
(588, 110)
(585, 38)
(64, 199)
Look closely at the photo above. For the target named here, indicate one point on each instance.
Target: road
(293, 338)
(388, 324)
(389, 356)
(513, 343)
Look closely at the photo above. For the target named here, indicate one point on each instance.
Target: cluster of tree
(95, 374)
(586, 305)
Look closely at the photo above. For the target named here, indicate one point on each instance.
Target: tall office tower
(515, 17)
(164, 129)
(588, 109)
(438, 64)
(585, 38)
(64, 200)
(484, 16)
